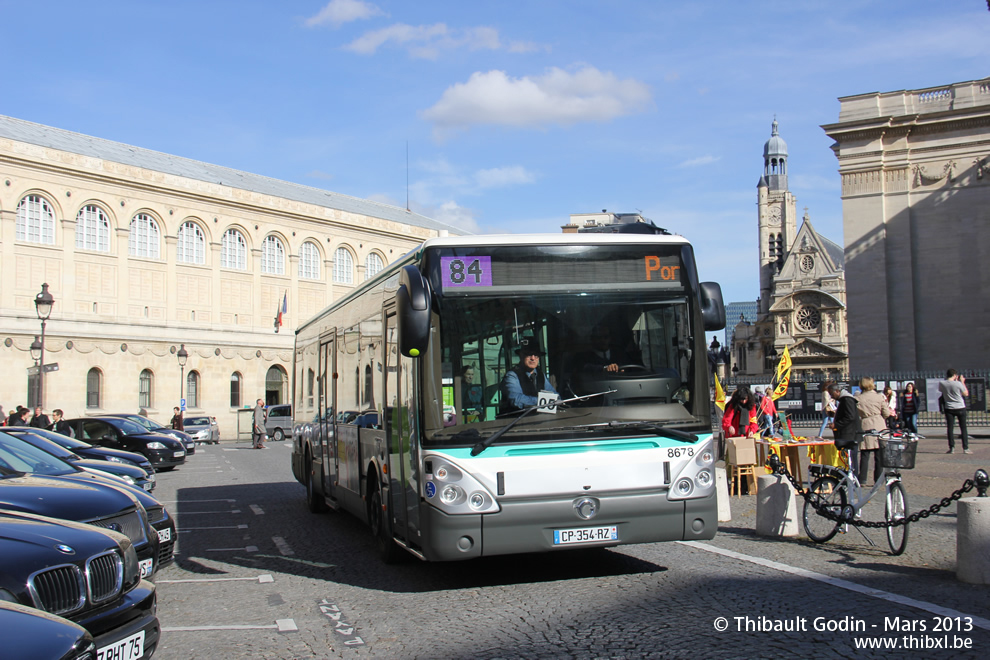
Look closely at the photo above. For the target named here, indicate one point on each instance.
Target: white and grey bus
(403, 412)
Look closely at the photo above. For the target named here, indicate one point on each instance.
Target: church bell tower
(777, 215)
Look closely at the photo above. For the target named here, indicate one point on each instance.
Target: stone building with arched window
(149, 255)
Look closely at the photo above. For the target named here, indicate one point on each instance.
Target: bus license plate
(585, 535)
(130, 648)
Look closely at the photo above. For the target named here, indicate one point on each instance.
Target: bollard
(973, 540)
(722, 494)
(776, 506)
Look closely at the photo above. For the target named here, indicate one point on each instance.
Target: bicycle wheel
(896, 509)
(827, 493)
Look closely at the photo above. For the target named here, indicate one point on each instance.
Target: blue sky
(514, 114)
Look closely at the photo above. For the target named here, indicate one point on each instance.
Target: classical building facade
(145, 253)
(802, 285)
(915, 169)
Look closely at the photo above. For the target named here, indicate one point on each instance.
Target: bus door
(324, 412)
(400, 428)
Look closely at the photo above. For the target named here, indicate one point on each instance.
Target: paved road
(259, 577)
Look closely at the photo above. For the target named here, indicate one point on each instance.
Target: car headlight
(156, 445)
(114, 459)
(7, 596)
(132, 569)
(128, 478)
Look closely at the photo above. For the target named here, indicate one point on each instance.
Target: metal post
(41, 369)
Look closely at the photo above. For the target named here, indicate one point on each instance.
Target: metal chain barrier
(847, 515)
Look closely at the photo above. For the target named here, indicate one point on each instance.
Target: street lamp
(182, 355)
(43, 303)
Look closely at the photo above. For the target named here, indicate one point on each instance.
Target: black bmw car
(32, 633)
(89, 576)
(187, 440)
(58, 495)
(165, 453)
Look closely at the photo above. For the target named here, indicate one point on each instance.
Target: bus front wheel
(314, 500)
(378, 519)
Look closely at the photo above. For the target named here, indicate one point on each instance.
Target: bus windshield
(618, 350)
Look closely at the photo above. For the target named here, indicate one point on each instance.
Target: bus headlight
(684, 487)
(454, 490)
(694, 478)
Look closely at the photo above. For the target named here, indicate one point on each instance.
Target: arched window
(190, 244)
(309, 261)
(94, 386)
(272, 256)
(276, 385)
(92, 229)
(233, 250)
(235, 390)
(145, 239)
(343, 266)
(372, 265)
(145, 382)
(35, 220)
(192, 389)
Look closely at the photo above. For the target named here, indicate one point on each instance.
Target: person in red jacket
(740, 416)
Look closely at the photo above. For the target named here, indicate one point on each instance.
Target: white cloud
(557, 97)
(338, 12)
(451, 213)
(501, 177)
(426, 41)
(701, 160)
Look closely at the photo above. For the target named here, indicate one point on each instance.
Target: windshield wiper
(658, 428)
(490, 440)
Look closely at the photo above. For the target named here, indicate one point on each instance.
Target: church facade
(802, 285)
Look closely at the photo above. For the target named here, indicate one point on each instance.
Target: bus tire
(388, 551)
(314, 500)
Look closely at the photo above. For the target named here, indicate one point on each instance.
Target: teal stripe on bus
(500, 451)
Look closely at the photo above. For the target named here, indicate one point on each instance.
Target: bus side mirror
(412, 302)
(712, 307)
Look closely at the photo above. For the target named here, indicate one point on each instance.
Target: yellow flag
(719, 393)
(783, 375)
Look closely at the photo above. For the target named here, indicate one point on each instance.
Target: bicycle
(838, 491)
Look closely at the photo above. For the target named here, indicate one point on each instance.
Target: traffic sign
(51, 367)
(33, 371)
(182, 404)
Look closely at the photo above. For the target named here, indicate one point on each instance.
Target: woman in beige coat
(873, 410)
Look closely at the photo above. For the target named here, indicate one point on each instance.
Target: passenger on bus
(525, 380)
(470, 394)
(604, 354)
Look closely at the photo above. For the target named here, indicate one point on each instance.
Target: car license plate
(585, 535)
(178, 454)
(147, 565)
(148, 485)
(165, 534)
(130, 648)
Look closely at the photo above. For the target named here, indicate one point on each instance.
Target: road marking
(250, 548)
(282, 546)
(191, 501)
(189, 529)
(200, 513)
(261, 579)
(304, 562)
(282, 625)
(842, 584)
(258, 511)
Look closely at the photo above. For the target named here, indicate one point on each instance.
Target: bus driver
(524, 381)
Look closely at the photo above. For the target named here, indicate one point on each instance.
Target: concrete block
(973, 540)
(776, 506)
(722, 494)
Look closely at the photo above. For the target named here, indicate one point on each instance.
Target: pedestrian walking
(258, 435)
(873, 411)
(828, 408)
(954, 391)
(890, 396)
(177, 423)
(908, 407)
(40, 419)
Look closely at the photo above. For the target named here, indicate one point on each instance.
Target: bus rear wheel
(388, 551)
(314, 500)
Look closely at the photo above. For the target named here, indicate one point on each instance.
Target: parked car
(33, 481)
(87, 450)
(203, 428)
(131, 474)
(182, 436)
(164, 452)
(87, 575)
(82, 470)
(31, 633)
(278, 423)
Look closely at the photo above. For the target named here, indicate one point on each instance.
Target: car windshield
(20, 456)
(42, 443)
(196, 421)
(128, 427)
(62, 440)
